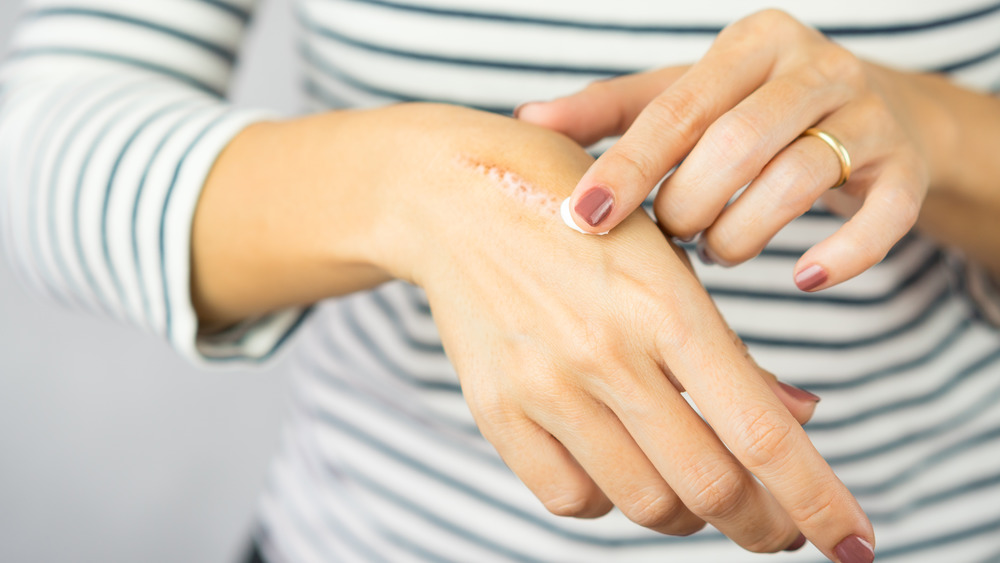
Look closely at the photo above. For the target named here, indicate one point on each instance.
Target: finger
(602, 446)
(756, 427)
(738, 145)
(697, 466)
(800, 403)
(603, 109)
(889, 211)
(794, 179)
(545, 466)
(665, 131)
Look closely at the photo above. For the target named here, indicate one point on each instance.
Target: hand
(572, 352)
(735, 118)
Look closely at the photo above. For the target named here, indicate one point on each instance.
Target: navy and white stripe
(111, 113)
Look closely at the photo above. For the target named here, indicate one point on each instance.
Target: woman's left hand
(737, 117)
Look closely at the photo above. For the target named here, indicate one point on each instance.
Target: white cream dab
(516, 187)
(567, 218)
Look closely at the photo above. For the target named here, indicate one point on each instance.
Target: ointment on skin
(515, 187)
(567, 218)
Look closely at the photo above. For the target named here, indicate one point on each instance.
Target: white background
(112, 449)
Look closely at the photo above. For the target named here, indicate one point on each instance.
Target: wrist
(324, 205)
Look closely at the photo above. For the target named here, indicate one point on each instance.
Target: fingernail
(567, 218)
(853, 549)
(797, 544)
(517, 110)
(701, 249)
(798, 393)
(595, 205)
(810, 278)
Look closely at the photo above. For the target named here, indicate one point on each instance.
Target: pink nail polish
(853, 549)
(797, 544)
(799, 393)
(595, 205)
(811, 278)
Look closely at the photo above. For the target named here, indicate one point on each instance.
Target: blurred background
(113, 449)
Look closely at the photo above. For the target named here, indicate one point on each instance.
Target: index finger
(760, 432)
(666, 130)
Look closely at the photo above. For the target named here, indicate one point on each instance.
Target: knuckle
(899, 209)
(764, 437)
(490, 411)
(906, 205)
(732, 249)
(680, 110)
(490, 408)
(675, 223)
(867, 250)
(775, 17)
(677, 216)
(769, 539)
(871, 108)
(791, 187)
(814, 511)
(637, 157)
(719, 495)
(652, 509)
(577, 503)
(687, 526)
(674, 333)
(599, 88)
(591, 345)
(733, 138)
(763, 23)
(838, 64)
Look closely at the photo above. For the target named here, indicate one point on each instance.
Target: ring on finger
(842, 155)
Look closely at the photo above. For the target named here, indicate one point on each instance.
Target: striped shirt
(113, 111)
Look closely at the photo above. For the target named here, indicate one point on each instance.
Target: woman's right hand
(572, 350)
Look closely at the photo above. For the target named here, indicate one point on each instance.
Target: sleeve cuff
(252, 341)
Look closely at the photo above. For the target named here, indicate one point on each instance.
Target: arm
(961, 130)
(457, 201)
(111, 115)
(570, 350)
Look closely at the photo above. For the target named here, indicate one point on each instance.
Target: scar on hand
(514, 186)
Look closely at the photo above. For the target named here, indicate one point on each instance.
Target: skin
(923, 149)
(575, 379)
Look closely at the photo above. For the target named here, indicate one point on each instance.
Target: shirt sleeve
(985, 292)
(112, 113)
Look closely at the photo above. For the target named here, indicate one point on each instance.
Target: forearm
(961, 135)
(325, 205)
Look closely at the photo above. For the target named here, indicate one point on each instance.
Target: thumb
(603, 109)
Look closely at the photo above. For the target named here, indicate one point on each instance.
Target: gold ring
(839, 148)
